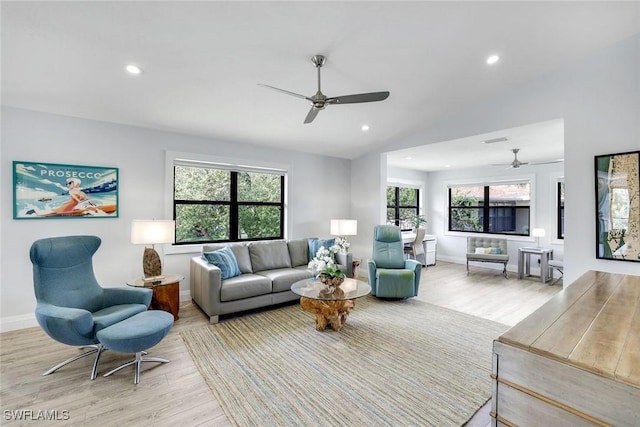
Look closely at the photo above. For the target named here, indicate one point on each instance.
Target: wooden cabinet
(575, 361)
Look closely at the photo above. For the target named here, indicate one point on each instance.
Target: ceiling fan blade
(547, 163)
(297, 95)
(311, 115)
(361, 97)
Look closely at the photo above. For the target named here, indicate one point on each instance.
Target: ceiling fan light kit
(319, 101)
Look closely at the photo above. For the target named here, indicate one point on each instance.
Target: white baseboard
(23, 321)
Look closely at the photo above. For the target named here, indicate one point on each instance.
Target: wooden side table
(166, 292)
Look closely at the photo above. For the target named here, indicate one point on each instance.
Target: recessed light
(365, 128)
(447, 166)
(493, 59)
(133, 69)
(408, 158)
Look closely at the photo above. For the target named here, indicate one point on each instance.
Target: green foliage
(418, 220)
(194, 183)
(463, 216)
(332, 270)
(202, 223)
(258, 195)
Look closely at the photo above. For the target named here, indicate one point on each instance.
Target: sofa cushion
(315, 244)
(240, 250)
(225, 260)
(283, 278)
(269, 255)
(298, 252)
(244, 286)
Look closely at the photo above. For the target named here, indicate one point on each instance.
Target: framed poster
(618, 206)
(46, 190)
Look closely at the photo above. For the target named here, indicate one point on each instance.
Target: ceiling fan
(320, 100)
(516, 163)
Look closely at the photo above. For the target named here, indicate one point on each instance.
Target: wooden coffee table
(331, 306)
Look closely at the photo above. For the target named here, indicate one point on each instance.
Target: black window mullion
(485, 210)
(233, 213)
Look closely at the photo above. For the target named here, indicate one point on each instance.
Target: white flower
(324, 258)
(342, 245)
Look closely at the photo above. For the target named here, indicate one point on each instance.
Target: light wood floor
(174, 394)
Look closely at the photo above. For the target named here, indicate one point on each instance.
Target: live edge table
(166, 292)
(331, 306)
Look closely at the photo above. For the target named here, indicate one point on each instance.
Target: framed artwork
(618, 206)
(46, 190)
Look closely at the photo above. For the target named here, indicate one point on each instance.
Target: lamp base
(151, 263)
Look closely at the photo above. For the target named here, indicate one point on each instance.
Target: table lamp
(538, 233)
(152, 232)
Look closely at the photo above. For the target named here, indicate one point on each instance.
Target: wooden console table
(575, 361)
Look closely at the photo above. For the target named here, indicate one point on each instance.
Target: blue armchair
(390, 275)
(71, 306)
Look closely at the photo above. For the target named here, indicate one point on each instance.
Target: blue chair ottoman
(135, 335)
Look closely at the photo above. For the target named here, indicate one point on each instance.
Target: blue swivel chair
(71, 306)
(390, 275)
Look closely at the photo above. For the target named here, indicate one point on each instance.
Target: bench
(487, 249)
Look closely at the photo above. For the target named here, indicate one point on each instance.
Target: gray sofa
(268, 269)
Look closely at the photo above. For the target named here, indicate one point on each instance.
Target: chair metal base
(138, 362)
(95, 348)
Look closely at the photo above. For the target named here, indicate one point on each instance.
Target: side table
(524, 262)
(166, 292)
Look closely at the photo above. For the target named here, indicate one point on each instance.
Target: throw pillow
(496, 251)
(480, 250)
(315, 244)
(225, 260)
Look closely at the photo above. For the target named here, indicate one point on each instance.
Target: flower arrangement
(324, 258)
(342, 244)
(325, 267)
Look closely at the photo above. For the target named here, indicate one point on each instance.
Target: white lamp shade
(150, 232)
(538, 232)
(344, 227)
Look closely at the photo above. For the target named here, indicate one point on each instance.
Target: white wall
(140, 156)
(599, 100)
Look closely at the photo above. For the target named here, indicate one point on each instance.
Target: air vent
(493, 141)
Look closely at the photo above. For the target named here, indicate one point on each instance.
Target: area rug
(394, 363)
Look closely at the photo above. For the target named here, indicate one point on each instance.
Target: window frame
(244, 165)
(559, 209)
(486, 208)
(397, 205)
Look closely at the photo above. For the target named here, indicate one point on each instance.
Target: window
(213, 203)
(402, 205)
(494, 208)
(560, 209)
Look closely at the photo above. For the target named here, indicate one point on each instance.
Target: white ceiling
(538, 143)
(202, 62)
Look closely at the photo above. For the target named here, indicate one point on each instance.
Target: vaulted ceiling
(202, 62)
